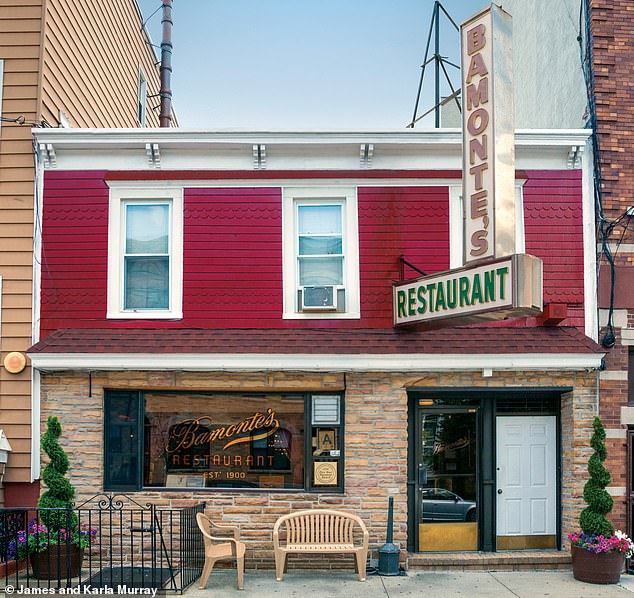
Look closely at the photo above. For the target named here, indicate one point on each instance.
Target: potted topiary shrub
(598, 552)
(54, 543)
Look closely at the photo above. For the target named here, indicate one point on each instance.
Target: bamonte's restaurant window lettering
(224, 440)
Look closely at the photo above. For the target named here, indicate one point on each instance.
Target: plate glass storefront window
(224, 441)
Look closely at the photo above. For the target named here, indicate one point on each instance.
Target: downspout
(165, 116)
(38, 185)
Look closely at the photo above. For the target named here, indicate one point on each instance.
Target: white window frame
(456, 226)
(141, 98)
(119, 197)
(347, 198)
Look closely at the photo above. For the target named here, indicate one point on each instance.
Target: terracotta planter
(57, 562)
(605, 567)
(10, 567)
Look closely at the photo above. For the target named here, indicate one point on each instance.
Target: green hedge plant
(593, 518)
(60, 493)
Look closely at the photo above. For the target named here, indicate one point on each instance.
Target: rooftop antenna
(440, 63)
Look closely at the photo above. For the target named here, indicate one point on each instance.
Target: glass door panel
(447, 481)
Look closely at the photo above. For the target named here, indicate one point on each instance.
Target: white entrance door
(526, 476)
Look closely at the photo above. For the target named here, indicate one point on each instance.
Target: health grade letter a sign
(495, 282)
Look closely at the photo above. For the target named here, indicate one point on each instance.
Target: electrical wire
(604, 227)
(627, 224)
(21, 120)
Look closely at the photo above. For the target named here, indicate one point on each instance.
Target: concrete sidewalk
(324, 584)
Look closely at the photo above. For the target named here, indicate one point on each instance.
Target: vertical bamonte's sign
(494, 282)
(488, 136)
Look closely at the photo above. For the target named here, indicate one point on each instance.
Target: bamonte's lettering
(202, 431)
(477, 178)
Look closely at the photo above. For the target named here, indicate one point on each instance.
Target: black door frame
(485, 400)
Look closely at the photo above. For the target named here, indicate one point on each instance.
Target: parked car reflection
(438, 504)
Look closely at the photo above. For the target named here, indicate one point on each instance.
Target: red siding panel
(232, 274)
(395, 221)
(554, 231)
(74, 250)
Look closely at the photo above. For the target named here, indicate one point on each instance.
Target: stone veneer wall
(375, 442)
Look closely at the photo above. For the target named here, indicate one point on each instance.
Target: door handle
(500, 491)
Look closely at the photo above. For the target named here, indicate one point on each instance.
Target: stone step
(516, 560)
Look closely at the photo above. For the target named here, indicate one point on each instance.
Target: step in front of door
(524, 560)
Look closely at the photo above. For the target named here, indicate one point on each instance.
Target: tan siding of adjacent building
(81, 57)
(84, 59)
(20, 26)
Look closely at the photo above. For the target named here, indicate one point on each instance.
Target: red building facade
(217, 322)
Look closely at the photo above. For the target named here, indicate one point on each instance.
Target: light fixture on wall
(5, 449)
(14, 362)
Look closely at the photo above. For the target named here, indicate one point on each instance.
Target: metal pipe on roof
(165, 116)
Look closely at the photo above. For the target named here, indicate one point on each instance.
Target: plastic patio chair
(218, 548)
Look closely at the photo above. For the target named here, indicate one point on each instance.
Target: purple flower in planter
(619, 542)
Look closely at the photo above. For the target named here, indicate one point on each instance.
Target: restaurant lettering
(200, 461)
(201, 431)
(447, 294)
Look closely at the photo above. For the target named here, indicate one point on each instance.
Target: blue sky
(296, 64)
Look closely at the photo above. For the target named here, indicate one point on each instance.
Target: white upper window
(145, 254)
(321, 254)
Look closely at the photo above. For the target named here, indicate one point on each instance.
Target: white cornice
(317, 362)
(126, 149)
(186, 136)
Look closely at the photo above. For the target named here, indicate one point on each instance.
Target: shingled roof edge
(291, 341)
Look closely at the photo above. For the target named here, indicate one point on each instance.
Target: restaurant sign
(504, 288)
(495, 282)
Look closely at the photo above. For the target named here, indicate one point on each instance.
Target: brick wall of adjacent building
(613, 60)
(376, 441)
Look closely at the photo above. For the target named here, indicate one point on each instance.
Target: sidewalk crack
(384, 588)
(503, 584)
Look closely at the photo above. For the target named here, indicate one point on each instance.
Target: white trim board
(590, 291)
(314, 362)
(35, 424)
(181, 136)
(312, 183)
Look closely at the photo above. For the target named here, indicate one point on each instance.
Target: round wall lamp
(14, 362)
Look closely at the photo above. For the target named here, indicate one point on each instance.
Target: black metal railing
(108, 541)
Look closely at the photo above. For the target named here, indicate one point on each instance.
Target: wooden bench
(317, 531)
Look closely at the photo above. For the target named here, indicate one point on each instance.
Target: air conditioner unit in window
(318, 298)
